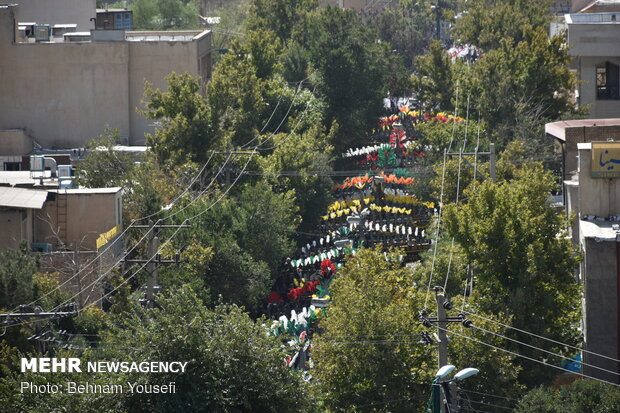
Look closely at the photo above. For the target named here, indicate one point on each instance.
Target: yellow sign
(605, 159)
(108, 236)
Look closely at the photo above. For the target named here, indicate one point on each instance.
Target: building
(40, 208)
(592, 195)
(78, 12)
(65, 91)
(594, 46)
(361, 5)
(114, 19)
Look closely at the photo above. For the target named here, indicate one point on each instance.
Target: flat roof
(86, 191)
(599, 230)
(21, 177)
(558, 129)
(22, 198)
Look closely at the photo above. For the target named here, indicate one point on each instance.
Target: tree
(249, 236)
(16, 270)
(433, 80)
(485, 23)
(583, 396)
(302, 159)
(523, 262)
(165, 14)
(281, 16)
(234, 365)
(104, 166)
(408, 28)
(369, 357)
(532, 74)
(188, 128)
(351, 71)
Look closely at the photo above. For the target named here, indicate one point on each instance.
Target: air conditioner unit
(65, 171)
(37, 163)
(42, 32)
(41, 247)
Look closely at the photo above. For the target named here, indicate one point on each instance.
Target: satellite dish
(444, 371)
(465, 373)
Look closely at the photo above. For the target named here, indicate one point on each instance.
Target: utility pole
(441, 328)
(492, 159)
(442, 321)
(153, 259)
(152, 266)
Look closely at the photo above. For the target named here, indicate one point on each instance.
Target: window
(607, 81)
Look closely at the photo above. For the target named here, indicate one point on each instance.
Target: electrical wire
(443, 181)
(526, 357)
(545, 351)
(458, 188)
(539, 336)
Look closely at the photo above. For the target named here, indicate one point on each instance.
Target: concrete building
(78, 12)
(64, 93)
(361, 5)
(595, 48)
(35, 210)
(593, 195)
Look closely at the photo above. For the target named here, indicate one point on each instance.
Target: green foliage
(188, 130)
(351, 70)
(433, 81)
(355, 369)
(103, 166)
(484, 23)
(234, 365)
(522, 260)
(408, 28)
(281, 16)
(583, 396)
(249, 237)
(306, 154)
(16, 270)
(369, 359)
(165, 14)
(527, 80)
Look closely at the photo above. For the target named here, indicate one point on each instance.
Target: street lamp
(439, 383)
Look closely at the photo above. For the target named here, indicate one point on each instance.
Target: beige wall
(177, 57)
(15, 226)
(66, 93)
(597, 196)
(87, 216)
(58, 12)
(14, 142)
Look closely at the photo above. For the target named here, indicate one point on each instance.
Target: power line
(532, 359)
(545, 351)
(539, 336)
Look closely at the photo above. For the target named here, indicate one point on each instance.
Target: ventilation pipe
(51, 163)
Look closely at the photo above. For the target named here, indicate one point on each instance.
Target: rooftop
(558, 129)
(599, 230)
(592, 18)
(22, 198)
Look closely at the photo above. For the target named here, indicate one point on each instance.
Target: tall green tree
(16, 270)
(522, 260)
(281, 16)
(485, 23)
(520, 81)
(583, 396)
(369, 357)
(165, 14)
(351, 71)
(188, 129)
